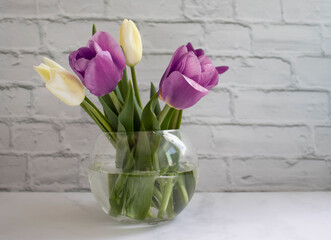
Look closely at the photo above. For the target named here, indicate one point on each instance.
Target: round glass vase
(143, 176)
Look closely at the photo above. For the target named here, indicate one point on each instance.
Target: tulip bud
(63, 84)
(130, 41)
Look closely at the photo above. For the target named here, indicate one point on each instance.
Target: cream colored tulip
(130, 41)
(63, 84)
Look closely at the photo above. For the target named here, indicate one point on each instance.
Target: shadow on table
(84, 219)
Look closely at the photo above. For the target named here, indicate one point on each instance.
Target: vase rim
(135, 132)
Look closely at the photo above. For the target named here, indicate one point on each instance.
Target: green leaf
(148, 117)
(166, 121)
(130, 163)
(123, 151)
(137, 115)
(143, 154)
(147, 145)
(94, 30)
(112, 117)
(139, 194)
(117, 195)
(123, 85)
(176, 119)
(119, 95)
(126, 116)
(157, 108)
(183, 190)
(106, 98)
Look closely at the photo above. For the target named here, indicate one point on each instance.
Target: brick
(322, 140)
(282, 106)
(35, 137)
(279, 175)
(4, 137)
(212, 176)
(46, 104)
(49, 7)
(19, 68)
(286, 38)
(12, 172)
(145, 95)
(62, 59)
(83, 7)
(309, 10)
(255, 71)
(227, 37)
(258, 10)
(81, 138)
(83, 173)
(314, 72)
(195, 133)
(53, 173)
(215, 104)
(16, 35)
(15, 101)
(168, 37)
(151, 69)
(262, 140)
(211, 9)
(66, 37)
(327, 40)
(17, 8)
(170, 9)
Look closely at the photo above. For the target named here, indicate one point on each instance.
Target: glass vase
(143, 176)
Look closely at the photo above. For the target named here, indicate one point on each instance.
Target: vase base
(132, 223)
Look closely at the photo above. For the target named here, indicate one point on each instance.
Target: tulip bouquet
(100, 66)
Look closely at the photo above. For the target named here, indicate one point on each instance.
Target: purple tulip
(100, 64)
(189, 76)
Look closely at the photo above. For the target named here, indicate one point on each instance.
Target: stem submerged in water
(166, 196)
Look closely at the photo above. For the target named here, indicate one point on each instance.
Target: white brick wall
(265, 127)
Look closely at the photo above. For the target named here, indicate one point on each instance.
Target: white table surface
(232, 216)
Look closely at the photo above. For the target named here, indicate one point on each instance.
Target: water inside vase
(142, 195)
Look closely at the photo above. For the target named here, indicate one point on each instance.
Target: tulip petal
(130, 41)
(72, 63)
(51, 63)
(66, 87)
(213, 79)
(204, 60)
(176, 58)
(44, 72)
(199, 52)
(102, 74)
(81, 64)
(192, 66)
(207, 79)
(222, 69)
(180, 91)
(178, 53)
(108, 43)
(190, 47)
(85, 52)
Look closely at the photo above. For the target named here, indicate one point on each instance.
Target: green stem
(163, 113)
(157, 194)
(116, 102)
(166, 196)
(135, 86)
(179, 120)
(182, 189)
(150, 214)
(98, 117)
(83, 105)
